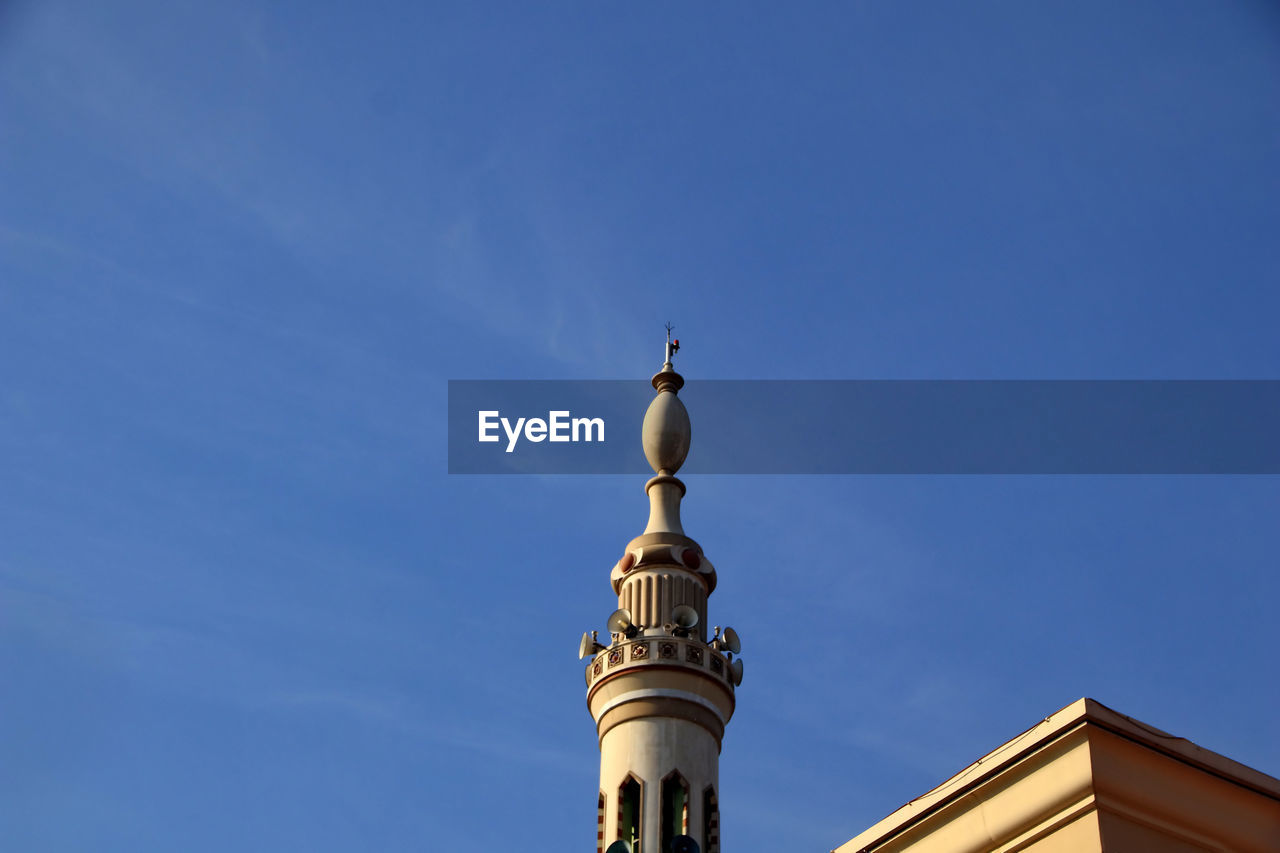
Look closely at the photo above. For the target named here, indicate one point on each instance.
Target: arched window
(600, 824)
(675, 808)
(710, 821)
(629, 799)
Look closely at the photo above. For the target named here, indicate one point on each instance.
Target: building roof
(1097, 772)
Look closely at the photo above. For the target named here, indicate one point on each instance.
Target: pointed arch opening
(630, 797)
(675, 807)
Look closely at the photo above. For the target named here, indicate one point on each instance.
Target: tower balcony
(661, 675)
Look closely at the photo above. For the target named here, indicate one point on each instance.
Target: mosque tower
(661, 692)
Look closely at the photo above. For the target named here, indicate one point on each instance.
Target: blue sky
(243, 247)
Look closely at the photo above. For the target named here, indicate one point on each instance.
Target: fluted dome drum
(666, 433)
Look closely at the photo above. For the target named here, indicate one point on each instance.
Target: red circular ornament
(690, 558)
(627, 562)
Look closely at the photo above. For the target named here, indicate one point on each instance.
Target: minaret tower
(661, 692)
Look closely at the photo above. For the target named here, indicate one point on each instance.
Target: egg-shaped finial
(666, 431)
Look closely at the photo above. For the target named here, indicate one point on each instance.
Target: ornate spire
(666, 434)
